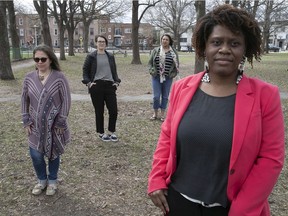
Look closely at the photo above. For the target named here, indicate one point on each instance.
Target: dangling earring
(206, 65)
(205, 78)
(241, 70)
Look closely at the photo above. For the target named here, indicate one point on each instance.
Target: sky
(29, 8)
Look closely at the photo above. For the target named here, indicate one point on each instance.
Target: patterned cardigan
(45, 108)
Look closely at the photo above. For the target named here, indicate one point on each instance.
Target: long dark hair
(51, 55)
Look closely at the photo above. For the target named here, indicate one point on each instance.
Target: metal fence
(20, 53)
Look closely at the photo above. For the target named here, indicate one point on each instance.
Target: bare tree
(42, 10)
(136, 20)
(96, 9)
(5, 63)
(71, 24)
(270, 15)
(176, 17)
(59, 12)
(200, 11)
(15, 41)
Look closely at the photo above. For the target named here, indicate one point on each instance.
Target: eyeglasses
(44, 59)
(100, 41)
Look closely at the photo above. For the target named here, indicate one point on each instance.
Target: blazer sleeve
(253, 194)
(87, 70)
(158, 175)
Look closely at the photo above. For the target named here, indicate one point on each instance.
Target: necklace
(42, 77)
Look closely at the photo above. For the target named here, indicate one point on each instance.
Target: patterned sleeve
(61, 121)
(25, 104)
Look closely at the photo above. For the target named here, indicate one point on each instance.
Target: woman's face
(42, 61)
(165, 41)
(224, 51)
(101, 44)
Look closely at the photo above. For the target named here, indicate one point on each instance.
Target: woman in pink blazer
(221, 147)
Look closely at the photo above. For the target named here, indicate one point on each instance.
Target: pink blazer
(257, 154)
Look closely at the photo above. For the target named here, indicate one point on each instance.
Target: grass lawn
(99, 178)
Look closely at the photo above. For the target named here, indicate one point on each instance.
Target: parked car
(184, 49)
(273, 48)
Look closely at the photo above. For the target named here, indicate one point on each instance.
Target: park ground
(96, 178)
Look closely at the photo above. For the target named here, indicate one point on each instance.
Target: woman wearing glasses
(45, 104)
(100, 75)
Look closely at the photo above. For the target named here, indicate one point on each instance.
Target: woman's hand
(59, 131)
(91, 84)
(159, 200)
(28, 130)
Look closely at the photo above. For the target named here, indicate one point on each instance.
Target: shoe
(153, 117)
(105, 138)
(38, 189)
(113, 138)
(51, 189)
(162, 119)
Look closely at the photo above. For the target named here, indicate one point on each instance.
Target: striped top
(168, 63)
(45, 108)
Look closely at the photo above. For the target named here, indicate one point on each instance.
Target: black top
(204, 143)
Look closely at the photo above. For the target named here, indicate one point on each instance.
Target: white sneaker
(38, 189)
(51, 189)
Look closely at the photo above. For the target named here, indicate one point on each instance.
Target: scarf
(162, 56)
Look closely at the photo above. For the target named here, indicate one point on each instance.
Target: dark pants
(104, 93)
(180, 206)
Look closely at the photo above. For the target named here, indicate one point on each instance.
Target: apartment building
(118, 34)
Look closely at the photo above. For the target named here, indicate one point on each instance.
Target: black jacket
(90, 66)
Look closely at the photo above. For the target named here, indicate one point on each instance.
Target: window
(109, 29)
(54, 21)
(21, 32)
(102, 30)
(76, 31)
(117, 42)
(55, 31)
(128, 30)
(55, 43)
(117, 31)
(109, 37)
(128, 41)
(183, 40)
(20, 21)
(91, 31)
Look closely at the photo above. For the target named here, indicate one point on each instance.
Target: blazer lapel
(243, 108)
(186, 95)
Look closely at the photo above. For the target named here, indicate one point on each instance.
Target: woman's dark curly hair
(51, 55)
(236, 20)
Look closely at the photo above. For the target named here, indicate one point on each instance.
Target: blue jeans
(39, 164)
(161, 91)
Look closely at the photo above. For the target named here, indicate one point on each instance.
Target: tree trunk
(200, 11)
(86, 37)
(61, 40)
(15, 41)
(135, 34)
(42, 11)
(5, 63)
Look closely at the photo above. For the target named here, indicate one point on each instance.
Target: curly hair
(51, 55)
(236, 20)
